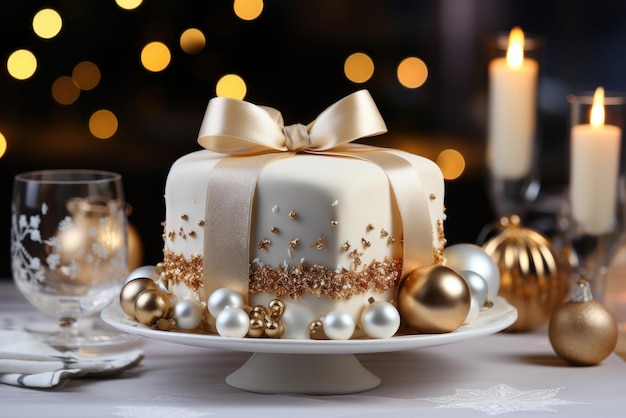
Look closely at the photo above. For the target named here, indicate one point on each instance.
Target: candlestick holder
(513, 180)
(596, 193)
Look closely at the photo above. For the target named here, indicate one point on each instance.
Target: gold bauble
(152, 305)
(582, 331)
(131, 290)
(434, 299)
(533, 277)
(135, 248)
(257, 328)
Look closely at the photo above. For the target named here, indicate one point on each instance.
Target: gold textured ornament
(152, 305)
(533, 276)
(131, 290)
(434, 299)
(582, 331)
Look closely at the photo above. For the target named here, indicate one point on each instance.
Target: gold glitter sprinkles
(391, 240)
(274, 230)
(263, 244)
(383, 233)
(369, 228)
(365, 243)
(334, 223)
(292, 214)
(192, 234)
(201, 222)
(184, 217)
(298, 280)
(320, 244)
(346, 246)
(433, 196)
(293, 243)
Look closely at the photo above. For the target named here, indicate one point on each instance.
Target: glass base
(87, 335)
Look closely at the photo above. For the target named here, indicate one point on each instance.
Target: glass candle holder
(512, 121)
(596, 185)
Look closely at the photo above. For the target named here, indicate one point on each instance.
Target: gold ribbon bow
(253, 136)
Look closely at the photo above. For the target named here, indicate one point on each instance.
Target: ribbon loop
(296, 137)
(241, 128)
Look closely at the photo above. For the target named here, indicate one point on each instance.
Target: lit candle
(512, 110)
(594, 170)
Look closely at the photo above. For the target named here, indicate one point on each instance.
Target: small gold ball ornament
(152, 305)
(131, 290)
(582, 331)
(533, 276)
(257, 328)
(434, 299)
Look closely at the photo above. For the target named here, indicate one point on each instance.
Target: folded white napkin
(25, 361)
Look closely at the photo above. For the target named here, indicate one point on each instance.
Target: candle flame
(596, 116)
(515, 50)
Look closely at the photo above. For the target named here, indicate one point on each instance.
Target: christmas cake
(315, 222)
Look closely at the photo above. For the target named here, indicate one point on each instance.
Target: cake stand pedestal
(314, 367)
(307, 374)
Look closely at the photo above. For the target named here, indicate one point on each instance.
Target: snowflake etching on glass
(500, 399)
(90, 244)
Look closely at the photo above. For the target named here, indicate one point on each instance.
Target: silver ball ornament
(223, 298)
(232, 322)
(380, 320)
(143, 271)
(478, 286)
(188, 314)
(338, 325)
(463, 257)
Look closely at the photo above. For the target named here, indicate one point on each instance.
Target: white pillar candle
(594, 171)
(512, 110)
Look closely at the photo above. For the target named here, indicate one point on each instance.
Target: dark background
(291, 58)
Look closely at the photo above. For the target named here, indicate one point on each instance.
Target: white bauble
(461, 257)
(223, 298)
(188, 314)
(380, 320)
(338, 325)
(296, 320)
(232, 322)
(473, 312)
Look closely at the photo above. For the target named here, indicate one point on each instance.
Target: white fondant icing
(309, 186)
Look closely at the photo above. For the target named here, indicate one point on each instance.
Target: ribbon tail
(412, 204)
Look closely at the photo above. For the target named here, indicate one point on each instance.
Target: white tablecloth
(503, 374)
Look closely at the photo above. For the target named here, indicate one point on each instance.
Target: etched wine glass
(69, 251)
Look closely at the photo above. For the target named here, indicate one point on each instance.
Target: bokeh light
(65, 91)
(248, 9)
(103, 124)
(22, 64)
(86, 75)
(358, 67)
(451, 163)
(412, 72)
(231, 86)
(128, 4)
(47, 23)
(3, 144)
(192, 41)
(155, 56)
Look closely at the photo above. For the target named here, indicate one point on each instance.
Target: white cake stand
(314, 367)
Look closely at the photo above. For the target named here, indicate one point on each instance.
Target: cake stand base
(306, 374)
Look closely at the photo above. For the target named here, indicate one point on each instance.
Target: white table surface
(503, 374)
